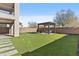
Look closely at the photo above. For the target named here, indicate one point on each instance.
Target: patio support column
(16, 21)
(11, 29)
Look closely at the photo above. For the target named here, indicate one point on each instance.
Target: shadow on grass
(32, 32)
(65, 46)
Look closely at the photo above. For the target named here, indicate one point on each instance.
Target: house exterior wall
(4, 30)
(16, 21)
(3, 25)
(13, 16)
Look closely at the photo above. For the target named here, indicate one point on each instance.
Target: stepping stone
(5, 45)
(2, 43)
(6, 48)
(5, 41)
(9, 53)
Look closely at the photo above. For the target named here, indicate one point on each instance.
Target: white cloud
(37, 19)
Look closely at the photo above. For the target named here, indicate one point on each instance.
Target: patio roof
(7, 21)
(7, 6)
(4, 17)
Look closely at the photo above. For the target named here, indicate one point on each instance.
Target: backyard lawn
(45, 44)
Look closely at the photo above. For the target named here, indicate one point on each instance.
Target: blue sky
(42, 12)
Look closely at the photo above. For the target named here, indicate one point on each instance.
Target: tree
(32, 24)
(65, 17)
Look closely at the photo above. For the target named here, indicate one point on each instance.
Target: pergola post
(38, 28)
(48, 29)
(44, 28)
(11, 29)
(54, 28)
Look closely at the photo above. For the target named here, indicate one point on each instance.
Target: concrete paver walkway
(6, 46)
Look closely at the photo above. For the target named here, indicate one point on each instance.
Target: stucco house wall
(9, 14)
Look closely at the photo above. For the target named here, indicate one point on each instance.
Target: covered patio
(5, 26)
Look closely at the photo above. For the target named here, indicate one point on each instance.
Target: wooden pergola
(46, 24)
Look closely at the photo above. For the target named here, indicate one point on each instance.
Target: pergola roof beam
(46, 23)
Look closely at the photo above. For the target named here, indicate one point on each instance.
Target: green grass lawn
(44, 44)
